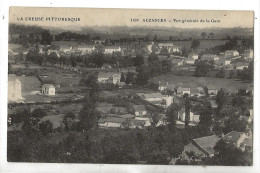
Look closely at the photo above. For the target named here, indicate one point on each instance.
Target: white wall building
(48, 89)
(14, 90)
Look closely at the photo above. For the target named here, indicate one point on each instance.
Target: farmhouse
(231, 53)
(202, 146)
(111, 49)
(48, 89)
(139, 110)
(193, 56)
(109, 77)
(14, 90)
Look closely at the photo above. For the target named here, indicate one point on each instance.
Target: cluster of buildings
(169, 46)
(80, 49)
(138, 119)
(204, 146)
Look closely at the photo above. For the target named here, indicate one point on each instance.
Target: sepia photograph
(130, 86)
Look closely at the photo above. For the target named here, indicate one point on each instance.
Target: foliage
(195, 44)
(46, 127)
(203, 67)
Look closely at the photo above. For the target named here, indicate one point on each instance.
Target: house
(106, 66)
(190, 61)
(194, 117)
(162, 86)
(212, 91)
(169, 46)
(166, 45)
(241, 65)
(235, 138)
(162, 120)
(231, 53)
(65, 48)
(201, 91)
(223, 62)
(153, 97)
(146, 119)
(249, 54)
(109, 77)
(48, 89)
(203, 147)
(194, 91)
(209, 57)
(168, 100)
(182, 89)
(247, 144)
(14, 90)
(213, 104)
(193, 56)
(111, 49)
(85, 48)
(53, 51)
(139, 110)
(114, 122)
(177, 62)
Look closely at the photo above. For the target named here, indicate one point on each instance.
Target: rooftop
(207, 143)
(48, 86)
(233, 136)
(138, 108)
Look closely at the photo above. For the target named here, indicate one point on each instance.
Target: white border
(145, 4)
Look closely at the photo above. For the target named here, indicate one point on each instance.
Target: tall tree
(203, 35)
(220, 99)
(172, 115)
(195, 44)
(187, 112)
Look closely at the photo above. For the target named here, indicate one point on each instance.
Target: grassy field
(204, 44)
(231, 85)
(29, 84)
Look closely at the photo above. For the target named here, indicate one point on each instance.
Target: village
(133, 84)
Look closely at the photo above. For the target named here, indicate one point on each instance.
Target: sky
(122, 17)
